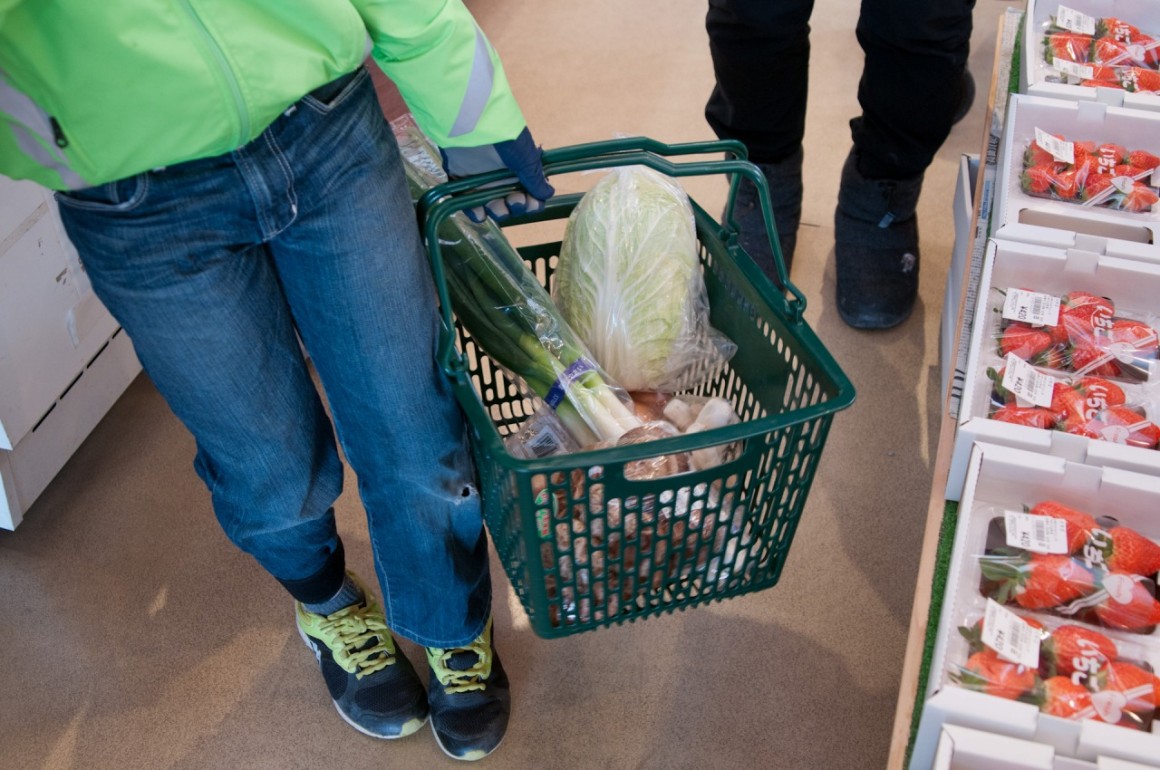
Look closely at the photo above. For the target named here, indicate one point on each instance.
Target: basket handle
(442, 201)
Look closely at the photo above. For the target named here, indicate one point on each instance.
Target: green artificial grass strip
(946, 540)
(1016, 58)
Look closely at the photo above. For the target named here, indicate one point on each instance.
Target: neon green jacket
(97, 90)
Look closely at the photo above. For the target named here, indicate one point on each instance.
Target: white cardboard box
(1004, 478)
(1093, 746)
(26, 470)
(964, 748)
(51, 323)
(964, 205)
(1134, 285)
(1124, 234)
(1037, 78)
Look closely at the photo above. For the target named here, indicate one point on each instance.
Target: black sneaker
(373, 685)
(470, 698)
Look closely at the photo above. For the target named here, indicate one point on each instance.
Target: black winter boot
(785, 196)
(876, 248)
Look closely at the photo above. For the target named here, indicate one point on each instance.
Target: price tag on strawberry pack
(1041, 534)
(1010, 636)
(1031, 307)
(1060, 149)
(1075, 69)
(1027, 383)
(1075, 21)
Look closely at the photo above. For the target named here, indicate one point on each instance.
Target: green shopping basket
(587, 547)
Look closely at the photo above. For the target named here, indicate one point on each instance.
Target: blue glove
(521, 156)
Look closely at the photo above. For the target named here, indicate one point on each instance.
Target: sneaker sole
(472, 756)
(410, 728)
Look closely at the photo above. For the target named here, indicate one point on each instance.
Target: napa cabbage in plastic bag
(629, 282)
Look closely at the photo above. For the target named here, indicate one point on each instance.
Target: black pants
(915, 53)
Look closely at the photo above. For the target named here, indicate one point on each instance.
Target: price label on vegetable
(1031, 307)
(1041, 534)
(1026, 382)
(1010, 636)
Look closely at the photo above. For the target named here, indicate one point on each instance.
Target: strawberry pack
(1049, 628)
(1066, 670)
(1067, 562)
(1071, 363)
(1105, 51)
(1091, 173)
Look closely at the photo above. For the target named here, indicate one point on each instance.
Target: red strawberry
(1061, 697)
(1070, 648)
(1065, 185)
(1107, 50)
(986, 672)
(1142, 337)
(1081, 428)
(1079, 523)
(1032, 416)
(1139, 609)
(1141, 80)
(1100, 394)
(1067, 46)
(1037, 180)
(1105, 76)
(1037, 581)
(1140, 200)
(1141, 687)
(1129, 551)
(1139, 430)
(1023, 340)
(1117, 29)
(1067, 402)
(1038, 156)
(1143, 159)
(1102, 84)
(1094, 186)
(1088, 358)
(1111, 154)
(1084, 305)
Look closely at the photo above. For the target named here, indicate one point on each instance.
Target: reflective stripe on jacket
(96, 91)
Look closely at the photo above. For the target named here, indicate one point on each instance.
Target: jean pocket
(122, 195)
(329, 96)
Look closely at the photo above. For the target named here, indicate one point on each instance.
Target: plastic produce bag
(1090, 569)
(511, 317)
(1104, 175)
(1067, 670)
(629, 282)
(1100, 52)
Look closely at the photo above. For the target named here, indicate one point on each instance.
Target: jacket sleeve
(446, 70)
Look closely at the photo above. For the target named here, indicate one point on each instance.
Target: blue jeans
(216, 267)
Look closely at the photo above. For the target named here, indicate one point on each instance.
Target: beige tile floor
(133, 636)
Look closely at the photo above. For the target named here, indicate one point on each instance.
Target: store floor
(132, 635)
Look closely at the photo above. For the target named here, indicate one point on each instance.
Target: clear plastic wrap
(1074, 363)
(1067, 670)
(510, 315)
(1085, 568)
(1100, 52)
(1077, 333)
(630, 283)
(1091, 173)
